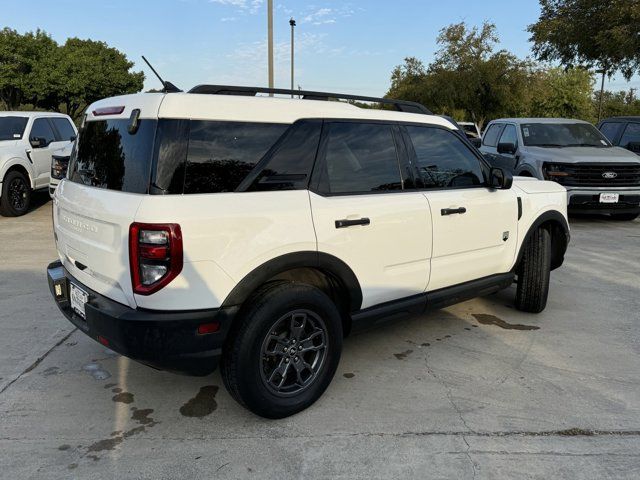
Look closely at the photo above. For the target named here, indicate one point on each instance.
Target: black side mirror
(509, 148)
(476, 142)
(38, 142)
(634, 147)
(72, 138)
(500, 179)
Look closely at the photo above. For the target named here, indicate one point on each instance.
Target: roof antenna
(168, 87)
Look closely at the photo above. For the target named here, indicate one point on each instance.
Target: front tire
(16, 195)
(625, 217)
(285, 351)
(533, 273)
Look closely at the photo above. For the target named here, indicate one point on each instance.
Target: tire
(625, 217)
(258, 372)
(533, 273)
(16, 195)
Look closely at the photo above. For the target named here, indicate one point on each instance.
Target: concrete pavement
(477, 390)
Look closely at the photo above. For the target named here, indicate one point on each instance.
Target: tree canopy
(36, 72)
(471, 79)
(589, 33)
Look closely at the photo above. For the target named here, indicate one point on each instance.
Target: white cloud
(242, 6)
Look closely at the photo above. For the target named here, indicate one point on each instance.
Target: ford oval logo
(609, 175)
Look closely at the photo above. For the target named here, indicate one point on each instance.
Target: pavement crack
(38, 361)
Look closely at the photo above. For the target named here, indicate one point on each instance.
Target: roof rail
(400, 105)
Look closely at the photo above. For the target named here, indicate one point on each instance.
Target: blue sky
(341, 46)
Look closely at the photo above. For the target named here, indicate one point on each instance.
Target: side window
(290, 166)
(631, 134)
(490, 138)
(359, 158)
(42, 129)
(611, 130)
(221, 154)
(64, 129)
(443, 160)
(509, 135)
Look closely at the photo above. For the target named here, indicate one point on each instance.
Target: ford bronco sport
(599, 177)
(221, 226)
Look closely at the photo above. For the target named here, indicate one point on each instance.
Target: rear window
(12, 128)
(108, 156)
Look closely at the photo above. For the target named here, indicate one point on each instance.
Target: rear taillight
(155, 255)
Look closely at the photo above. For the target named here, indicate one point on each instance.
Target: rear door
(474, 227)
(364, 214)
(94, 208)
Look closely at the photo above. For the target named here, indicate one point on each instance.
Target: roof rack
(400, 105)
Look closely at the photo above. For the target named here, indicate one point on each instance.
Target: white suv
(218, 226)
(28, 141)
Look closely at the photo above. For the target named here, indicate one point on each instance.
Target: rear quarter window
(220, 155)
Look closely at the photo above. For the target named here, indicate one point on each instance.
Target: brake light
(155, 255)
(99, 112)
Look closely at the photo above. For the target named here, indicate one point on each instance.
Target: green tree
(467, 75)
(604, 34)
(562, 93)
(27, 63)
(91, 70)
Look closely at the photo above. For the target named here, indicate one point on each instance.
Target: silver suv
(599, 177)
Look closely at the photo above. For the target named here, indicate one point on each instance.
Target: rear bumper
(587, 200)
(166, 340)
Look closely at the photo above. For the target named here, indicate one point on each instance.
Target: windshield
(562, 135)
(12, 128)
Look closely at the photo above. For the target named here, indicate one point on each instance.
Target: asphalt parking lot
(478, 390)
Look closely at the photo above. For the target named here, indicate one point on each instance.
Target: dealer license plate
(609, 197)
(78, 299)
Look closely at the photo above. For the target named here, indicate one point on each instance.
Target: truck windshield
(562, 135)
(12, 128)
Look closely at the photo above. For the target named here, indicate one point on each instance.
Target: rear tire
(625, 217)
(16, 194)
(285, 350)
(533, 273)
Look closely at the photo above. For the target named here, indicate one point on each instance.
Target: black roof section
(400, 105)
(621, 119)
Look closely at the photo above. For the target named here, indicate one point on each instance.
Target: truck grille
(594, 175)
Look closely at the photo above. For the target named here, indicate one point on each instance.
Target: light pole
(603, 72)
(292, 22)
(270, 41)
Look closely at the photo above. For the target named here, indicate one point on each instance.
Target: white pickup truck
(28, 141)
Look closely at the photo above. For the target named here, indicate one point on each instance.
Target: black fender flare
(326, 263)
(556, 218)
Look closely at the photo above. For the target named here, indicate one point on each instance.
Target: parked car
(623, 132)
(59, 165)
(472, 132)
(27, 143)
(201, 227)
(599, 177)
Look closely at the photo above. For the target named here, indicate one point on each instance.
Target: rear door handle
(350, 223)
(452, 211)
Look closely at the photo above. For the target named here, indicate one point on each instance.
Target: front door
(474, 227)
(363, 214)
(41, 155)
